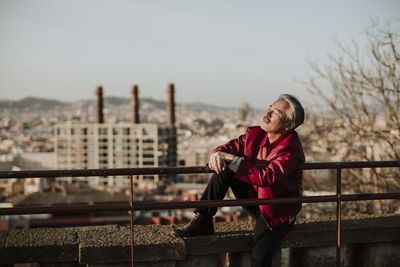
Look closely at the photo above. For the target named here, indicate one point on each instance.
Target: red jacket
(272, 169)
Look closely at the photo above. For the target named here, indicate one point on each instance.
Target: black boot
(200, 225)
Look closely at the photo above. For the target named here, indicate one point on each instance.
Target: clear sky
(217, 52)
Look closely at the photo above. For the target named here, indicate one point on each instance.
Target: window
(102, 131)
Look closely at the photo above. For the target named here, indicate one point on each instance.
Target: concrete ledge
(355, 230)
(3, 239)
(110, 245)
(41, 245)
(157, 242)
(103, 244)
(228, 237)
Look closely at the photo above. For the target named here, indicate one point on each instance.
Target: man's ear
(290, 126)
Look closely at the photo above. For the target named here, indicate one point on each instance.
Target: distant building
(243, 111)
(36, 161)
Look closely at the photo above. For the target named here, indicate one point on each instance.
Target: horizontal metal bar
(229, 203)
(163, 205)
(264, 201)
(179, 170)
(350, 164)
(103, 172)
(61, 209)
(380, 196)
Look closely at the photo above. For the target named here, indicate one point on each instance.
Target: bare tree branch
(361, 88)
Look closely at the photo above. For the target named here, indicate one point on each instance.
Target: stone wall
(366, 241)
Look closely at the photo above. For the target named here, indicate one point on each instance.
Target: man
(262, 163)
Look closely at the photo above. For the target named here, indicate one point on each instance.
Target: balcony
(352, 241)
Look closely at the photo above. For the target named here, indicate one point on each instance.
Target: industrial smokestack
(135, 104)
(99, 105)
(171, 105)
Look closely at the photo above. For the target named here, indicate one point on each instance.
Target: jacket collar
(265, 142)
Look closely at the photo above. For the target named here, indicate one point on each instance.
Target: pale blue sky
(217, 52)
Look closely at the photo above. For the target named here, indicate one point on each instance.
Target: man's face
(274, 120)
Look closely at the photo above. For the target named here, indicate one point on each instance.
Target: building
(116, 145)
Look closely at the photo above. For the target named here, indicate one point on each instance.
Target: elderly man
(262, 163)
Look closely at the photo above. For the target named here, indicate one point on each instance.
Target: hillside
(40, 105)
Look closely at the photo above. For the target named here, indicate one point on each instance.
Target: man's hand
(219, 161)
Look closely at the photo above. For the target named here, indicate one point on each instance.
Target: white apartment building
(105, 146)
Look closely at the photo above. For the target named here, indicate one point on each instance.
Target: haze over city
(216, 52)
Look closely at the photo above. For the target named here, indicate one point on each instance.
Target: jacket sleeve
(277, 169)
(235, 146)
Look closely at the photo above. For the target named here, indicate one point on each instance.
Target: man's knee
(225, 176)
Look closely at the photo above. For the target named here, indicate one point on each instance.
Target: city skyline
(220, 53)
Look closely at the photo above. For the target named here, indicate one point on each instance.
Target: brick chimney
(135, 104)
(99, 105)
(171, 105)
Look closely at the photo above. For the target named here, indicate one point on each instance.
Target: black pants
(266, 240)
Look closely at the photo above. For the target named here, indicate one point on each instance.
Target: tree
(361, 89)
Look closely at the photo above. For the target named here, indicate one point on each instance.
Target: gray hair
(295, 113)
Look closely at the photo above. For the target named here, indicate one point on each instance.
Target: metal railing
(136, 206)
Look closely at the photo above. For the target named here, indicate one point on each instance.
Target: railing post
(132, 218)
(338, 214)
